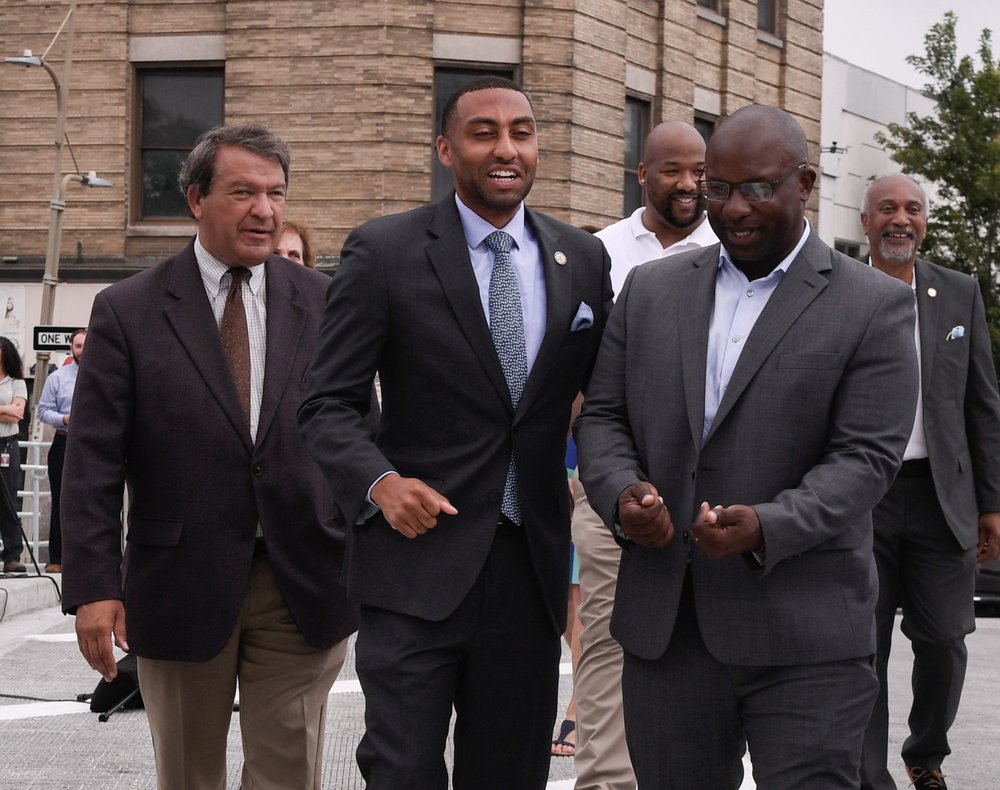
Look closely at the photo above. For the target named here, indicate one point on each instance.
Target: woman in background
(295, 243)
(13, 396)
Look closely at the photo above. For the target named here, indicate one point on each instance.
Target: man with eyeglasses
(749, 406)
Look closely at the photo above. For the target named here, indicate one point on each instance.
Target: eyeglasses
(752, 191)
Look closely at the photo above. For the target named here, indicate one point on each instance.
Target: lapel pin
(560, 257)
(932, 292)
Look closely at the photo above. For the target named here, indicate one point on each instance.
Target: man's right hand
(409, 505)
(96, 624)
(644, 517)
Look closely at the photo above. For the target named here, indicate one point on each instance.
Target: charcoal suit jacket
(809, 432)
(405, 302)
(961, 408)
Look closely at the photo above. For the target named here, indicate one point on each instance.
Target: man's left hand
(727, 531)
(989, 537)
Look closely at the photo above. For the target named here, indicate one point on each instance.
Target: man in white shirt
(672, 220)
(672, 217)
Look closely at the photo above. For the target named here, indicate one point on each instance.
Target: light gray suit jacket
(960, 402)
(810, 433)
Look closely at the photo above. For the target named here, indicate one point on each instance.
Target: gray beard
(895, 254)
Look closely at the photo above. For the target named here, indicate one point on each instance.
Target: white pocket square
(584, 318)
(956, 332)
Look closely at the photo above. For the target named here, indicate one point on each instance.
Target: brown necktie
(236, 337)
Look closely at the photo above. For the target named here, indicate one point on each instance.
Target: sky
(879, 34)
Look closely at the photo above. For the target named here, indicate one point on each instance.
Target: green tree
(958, 149)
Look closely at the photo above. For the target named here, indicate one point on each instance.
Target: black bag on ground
(107, 695)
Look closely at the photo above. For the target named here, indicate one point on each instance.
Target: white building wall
(856, 105)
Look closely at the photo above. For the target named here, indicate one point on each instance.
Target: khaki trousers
(602, 760)
(284, 683)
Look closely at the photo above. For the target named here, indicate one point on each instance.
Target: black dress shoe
(926, 778)
(14, 566)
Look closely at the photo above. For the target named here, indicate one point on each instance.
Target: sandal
(565, 730)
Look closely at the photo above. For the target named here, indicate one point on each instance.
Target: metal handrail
(35, 472)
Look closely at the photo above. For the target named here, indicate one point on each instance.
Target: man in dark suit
(458, 511)
(942, 513)
(195, 370)
(748, 407)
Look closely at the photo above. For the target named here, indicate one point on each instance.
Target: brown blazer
(156, 407)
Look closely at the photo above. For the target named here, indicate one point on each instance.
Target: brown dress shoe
(14, 566)
(53, 567)
(925, 778)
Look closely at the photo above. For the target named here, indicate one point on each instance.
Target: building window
(637, 112)
(705, 124)
(447, 80)
(850, 248)
(767, 16)
(711, 5)
(176, 105)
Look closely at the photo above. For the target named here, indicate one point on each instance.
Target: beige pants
(284, 682)
(602, 761)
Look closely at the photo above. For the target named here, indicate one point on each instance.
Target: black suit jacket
(961, 407)
(405, 303)
(156, 407)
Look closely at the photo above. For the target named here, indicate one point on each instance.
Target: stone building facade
(354, 88)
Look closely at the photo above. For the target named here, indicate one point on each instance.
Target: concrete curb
(21, 594)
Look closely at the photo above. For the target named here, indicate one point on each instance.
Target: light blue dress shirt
(57, 396)
(738, 304)
(526, 257)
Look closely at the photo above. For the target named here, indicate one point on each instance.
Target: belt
(915, 467)
(60, 433)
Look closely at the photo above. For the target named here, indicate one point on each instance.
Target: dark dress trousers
(406, 303)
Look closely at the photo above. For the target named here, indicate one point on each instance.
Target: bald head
(673, 161)
(761, 123)
(670, 136)
(893, 183)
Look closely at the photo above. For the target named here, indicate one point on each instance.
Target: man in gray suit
(941, 513)
(748, 408)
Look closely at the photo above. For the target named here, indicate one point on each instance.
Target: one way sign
(52, 338)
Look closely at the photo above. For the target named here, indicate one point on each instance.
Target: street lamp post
(58, 203)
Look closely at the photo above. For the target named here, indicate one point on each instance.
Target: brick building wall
(351, 87)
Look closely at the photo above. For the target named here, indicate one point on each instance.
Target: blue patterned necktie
(507, 330)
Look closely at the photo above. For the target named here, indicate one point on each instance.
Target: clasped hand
(643, 516)
(726, 531)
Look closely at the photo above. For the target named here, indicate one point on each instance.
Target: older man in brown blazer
(195, 371)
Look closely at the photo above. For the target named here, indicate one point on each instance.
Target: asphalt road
(58, 743)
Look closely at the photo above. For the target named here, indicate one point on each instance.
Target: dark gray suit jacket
(405, 303)
(156, 407)
(810, 432)
(961, 406)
